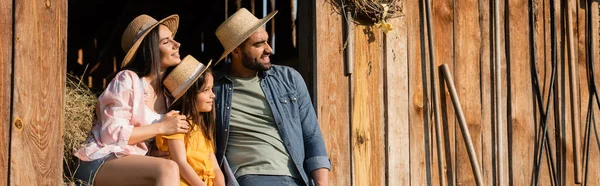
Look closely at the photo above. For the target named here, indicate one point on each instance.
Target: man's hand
(321, 177)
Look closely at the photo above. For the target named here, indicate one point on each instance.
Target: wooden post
(6, 61)
(40, 46)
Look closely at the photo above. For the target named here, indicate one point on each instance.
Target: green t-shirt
(254, 145)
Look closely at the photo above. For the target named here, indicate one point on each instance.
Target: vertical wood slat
(485, 69)
(368, 155)
(39, 83)
(520, 122)
(466, 67)
(6, 57)
(443, 23)
(594, 154)
(333, 88)
(397, 102)
(415, 95)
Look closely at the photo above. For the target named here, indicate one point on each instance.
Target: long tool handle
(463, 125)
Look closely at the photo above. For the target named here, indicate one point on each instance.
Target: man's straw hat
(237, 28)
(137, 30)
(184, 75)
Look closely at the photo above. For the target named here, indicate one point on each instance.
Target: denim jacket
(293, 114)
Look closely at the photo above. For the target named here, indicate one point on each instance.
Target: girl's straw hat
(237, 28)
(137, 30)
(183, 76)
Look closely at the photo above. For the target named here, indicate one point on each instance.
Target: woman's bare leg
(138, 170)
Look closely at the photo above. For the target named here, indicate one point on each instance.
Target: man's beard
(252, 64)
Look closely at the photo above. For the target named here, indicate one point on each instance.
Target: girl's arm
(177, 150)
(172, 123)
(219, 178)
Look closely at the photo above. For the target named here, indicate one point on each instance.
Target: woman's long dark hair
(147, 58)
(205, 121)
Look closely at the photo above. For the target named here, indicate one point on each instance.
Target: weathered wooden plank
(485, 66)
(544, 70)
(333, 91)
(39, 83)
(368, 154)
(443, 23)
(594, 154)
(521, 118)
(396, 101)
(6, 56)
(467, 72)
(415, 95)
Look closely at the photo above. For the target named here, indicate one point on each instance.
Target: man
(267, 130)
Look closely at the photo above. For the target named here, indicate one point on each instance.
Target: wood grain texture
(521, 139)
(467, 82)
(485, 69)
(368, 154)
(6, 56)
(415, 95)
(333, 92)
(396, 101)
(443, 27)
(39, 83)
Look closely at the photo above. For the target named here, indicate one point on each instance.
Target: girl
(193, 152)
(133, 109)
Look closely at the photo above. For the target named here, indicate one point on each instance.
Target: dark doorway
(95, 28)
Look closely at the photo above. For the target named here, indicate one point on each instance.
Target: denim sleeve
(314, 146)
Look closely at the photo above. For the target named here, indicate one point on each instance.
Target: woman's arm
(219, 178)
(177, 150)
(172, 123)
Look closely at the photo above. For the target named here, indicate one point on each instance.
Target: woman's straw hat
(237, 28)
(184, 75)
(137, 30)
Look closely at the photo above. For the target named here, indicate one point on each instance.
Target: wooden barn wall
(377, 121)
(6, 49)
(38, 76)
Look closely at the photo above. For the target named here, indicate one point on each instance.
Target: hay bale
(80, 103)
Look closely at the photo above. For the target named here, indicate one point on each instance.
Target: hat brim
(171, 22)
(195, 78)
(247, 34)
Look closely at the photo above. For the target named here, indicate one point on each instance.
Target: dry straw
(80, 103)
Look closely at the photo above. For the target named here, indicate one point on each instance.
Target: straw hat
(237, 28)
(137, 30)
(184, 75)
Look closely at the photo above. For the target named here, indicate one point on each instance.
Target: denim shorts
(85, 171)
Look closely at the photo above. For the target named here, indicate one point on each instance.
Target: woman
(133, 109)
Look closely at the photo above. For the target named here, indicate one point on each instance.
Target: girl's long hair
(205, 121)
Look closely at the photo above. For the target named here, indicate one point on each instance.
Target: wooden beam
(6, 61)
(333, 100)
(40, 47)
